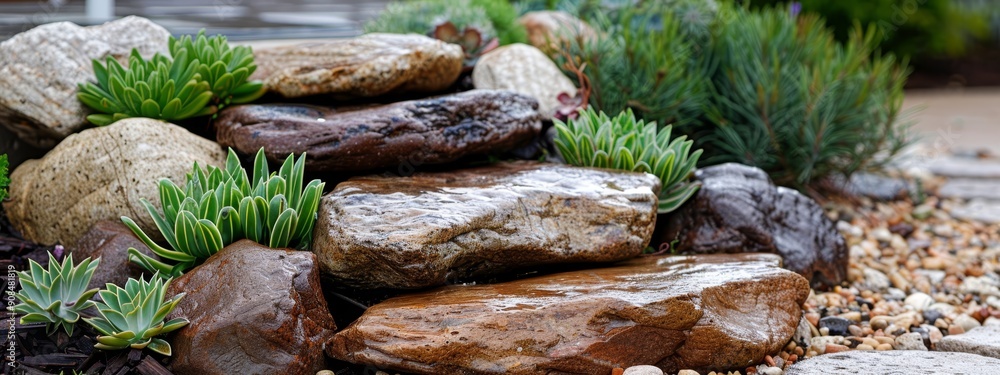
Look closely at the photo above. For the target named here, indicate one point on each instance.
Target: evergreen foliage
(493, 19)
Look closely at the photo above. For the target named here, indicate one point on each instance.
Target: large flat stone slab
(403, 134)
(980, 340)
(427, 229)
(986, 211)
(971, 188)
(908, 362)
(694, 312)
(369, 65)
(40, 70)
(965, 167)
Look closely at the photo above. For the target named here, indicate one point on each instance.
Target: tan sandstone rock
(40, 70)
(429, 228)
(524, 69)
(678, 312)
(369, 65)
(101, 174)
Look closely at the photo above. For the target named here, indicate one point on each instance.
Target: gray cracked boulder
(40, 70)
(429, 228)
(426, 131)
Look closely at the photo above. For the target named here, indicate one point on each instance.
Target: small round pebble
(643, 370)
(966, 322)
(910, 341)
(325, 372)
(919, 301)
(884, 347)
(687, 372)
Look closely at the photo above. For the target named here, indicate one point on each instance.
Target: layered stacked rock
(426, 131)
(101, 174)
(698, 312)
(366, 66)
(738, 209)
(41, 68)
(429, 228)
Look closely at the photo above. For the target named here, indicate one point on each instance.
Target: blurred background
(953, 46)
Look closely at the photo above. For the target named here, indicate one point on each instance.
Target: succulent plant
(474, 43)
(225, 68)
(595, 140)
(55, 296)
(218, 207)
(158, 88)
(133, 316)
(4, 181)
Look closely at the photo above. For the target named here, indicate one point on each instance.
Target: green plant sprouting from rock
(55, 296)
(4, 180)
(132, 317)
(218, 207)
(157, 88)
(225, 68)
(490, 18)
(596, 140)
(201, 75)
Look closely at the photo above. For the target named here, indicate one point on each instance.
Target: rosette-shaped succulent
(55, 296)
(133, 316)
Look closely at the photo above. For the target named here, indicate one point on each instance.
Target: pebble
(325, 372)
(770, 371)
(933, 333)
(687, 372)
(931, 316)
(835, 325)
(864, 347)
(991, 322)
(882, 234)
(955, 329)
(643, 370)
(835, 348)
(884, 347)
(943, 308)
(855, 330)
(966, 322)
(979, 285)
(919, 301)
(943, 230)
(910, 341)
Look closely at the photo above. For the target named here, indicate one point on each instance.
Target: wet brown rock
(684, 312)
(548, 29)
(426, 131)
(738, 209)
(423, 230)
(40, 70)
(101, 174)
(110, 241)
(253, 310)
(369, 65)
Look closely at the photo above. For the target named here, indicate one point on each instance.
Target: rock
(548, 30)
(366, 66)
(980, 340)
(931, 316)
(875, 280)
(100, 174)
(977, 210)
(803, 333)
(874, 186)
(983, 286)
(411, 133)
(687, 372)
(959, 167)
(40, 70)
(524, 69)
(110, 241)
(427, 229)
(253, 310)
(968, 188)
(679, 312)
(836, 325)
(966, 322)
(907, 362)
(910, 341)
(738, 209)
(643, 370)
(919, 301)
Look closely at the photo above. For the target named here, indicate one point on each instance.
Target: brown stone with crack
(427, 131)
(369, 65)
(684, 312)
(426, 229)
(253, 310)
(110, 241)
